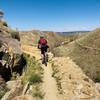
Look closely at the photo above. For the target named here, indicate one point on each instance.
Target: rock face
(15, 91)
(12, 61)
(3, 88)
(11, 56)
(2, 84)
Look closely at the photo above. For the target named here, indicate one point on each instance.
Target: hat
(41, 35)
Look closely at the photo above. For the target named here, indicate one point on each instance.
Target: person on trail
(43, 46)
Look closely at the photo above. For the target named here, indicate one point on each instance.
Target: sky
(52, 15)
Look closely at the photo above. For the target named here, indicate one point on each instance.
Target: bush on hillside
(35, 78)
(15, 35)
(5, 24)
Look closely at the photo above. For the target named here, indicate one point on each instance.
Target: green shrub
(5, 24)
(2, 93)
(34, 70)
(97, 79)
(35, 78)
(26, 57)
(15, 35)
(38, 94)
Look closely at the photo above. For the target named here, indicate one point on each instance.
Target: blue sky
(52, 15)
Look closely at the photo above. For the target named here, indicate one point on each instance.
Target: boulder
(15, 91)
(11, 84)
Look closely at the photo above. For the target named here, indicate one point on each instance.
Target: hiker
(43, 46)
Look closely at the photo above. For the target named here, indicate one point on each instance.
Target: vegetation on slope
(85, 52)
(33, 75)
(54, 39)
(6, 31)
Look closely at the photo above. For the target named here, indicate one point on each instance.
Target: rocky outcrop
(15, 91)
(72, 82)
(12, 62)
(4, 29)
(2, 84)
(11, 56)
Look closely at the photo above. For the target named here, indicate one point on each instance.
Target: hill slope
(54, 39)
(85, 52)
(71, 82)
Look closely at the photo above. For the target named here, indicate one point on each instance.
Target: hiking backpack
(43, 41)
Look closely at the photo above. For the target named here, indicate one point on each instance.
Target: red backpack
(43, 41)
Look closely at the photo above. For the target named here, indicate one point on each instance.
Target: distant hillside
(85, 51)
(73, 32)
(32, 37)
(54, 39)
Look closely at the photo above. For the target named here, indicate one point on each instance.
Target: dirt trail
(49, 83)
(49, 86)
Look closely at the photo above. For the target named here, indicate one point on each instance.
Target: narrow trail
(49, 86)
(49, 83)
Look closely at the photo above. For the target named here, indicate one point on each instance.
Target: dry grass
(87, 59)
(33, 72)
(36, 93)
(54, 39)
(33, 75)
(57, 77)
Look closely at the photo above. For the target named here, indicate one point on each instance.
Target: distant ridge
(73, 32)
(69, 32)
